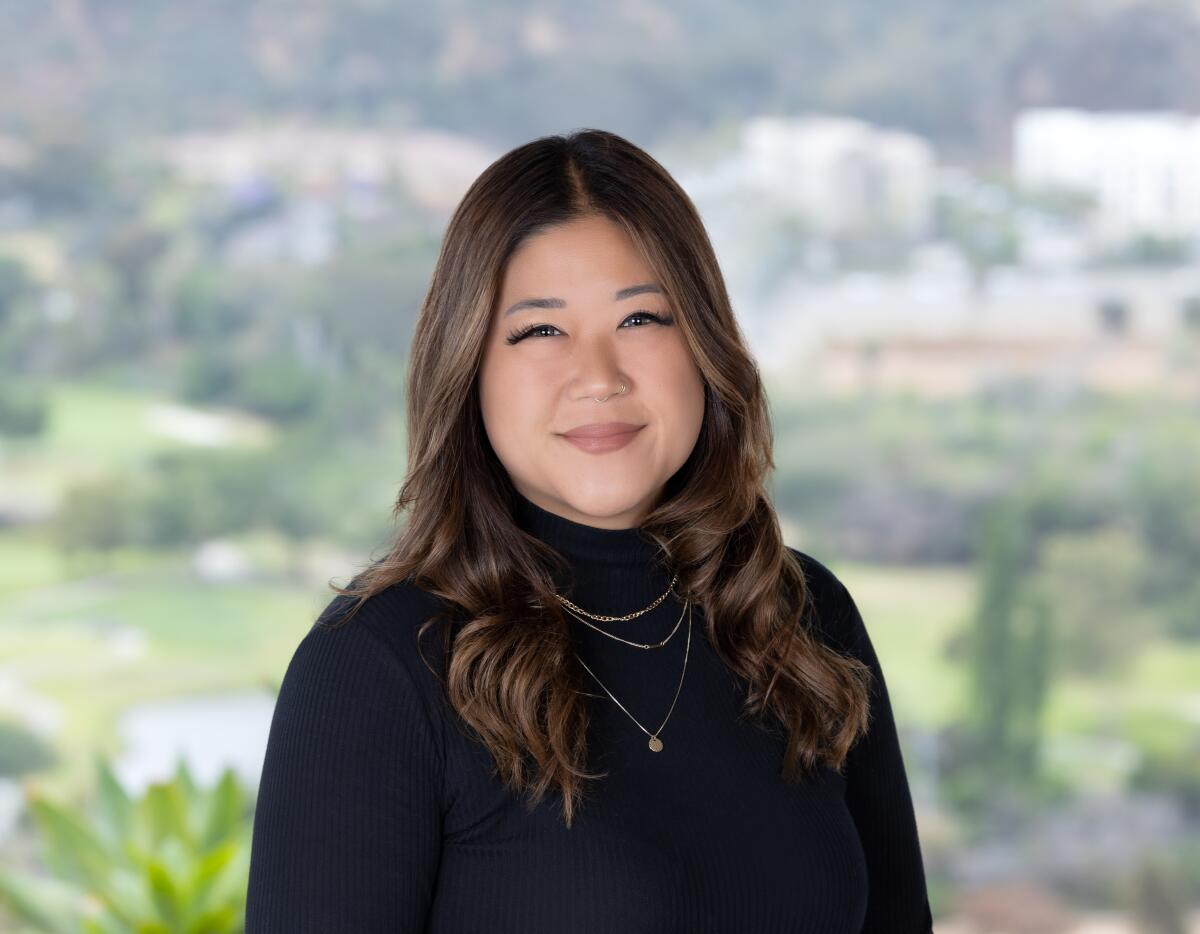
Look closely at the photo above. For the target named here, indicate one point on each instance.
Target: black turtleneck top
(375, 813)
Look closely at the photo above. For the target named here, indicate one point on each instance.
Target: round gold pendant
(656, 744)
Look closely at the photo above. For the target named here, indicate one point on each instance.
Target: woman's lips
(602, 443)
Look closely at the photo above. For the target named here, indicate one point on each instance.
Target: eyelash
(516, 336)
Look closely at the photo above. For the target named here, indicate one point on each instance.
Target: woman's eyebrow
(627, 292)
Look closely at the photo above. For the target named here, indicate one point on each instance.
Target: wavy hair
(508, 666)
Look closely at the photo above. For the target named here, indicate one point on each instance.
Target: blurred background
(963, 239)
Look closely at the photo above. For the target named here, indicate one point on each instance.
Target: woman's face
(589, 337)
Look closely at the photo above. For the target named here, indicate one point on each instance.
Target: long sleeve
(878, 797)
(347, 828)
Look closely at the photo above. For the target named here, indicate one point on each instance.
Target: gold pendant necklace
(655, 743)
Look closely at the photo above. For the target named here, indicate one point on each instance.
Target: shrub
(175, 861)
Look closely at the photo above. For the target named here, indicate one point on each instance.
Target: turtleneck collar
(613, 571)
(584, 544)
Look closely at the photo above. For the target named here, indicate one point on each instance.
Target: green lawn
(55, 639)
(95, 428)
(910, 613)
(55, 618)
(1092, 724)
(203, 638)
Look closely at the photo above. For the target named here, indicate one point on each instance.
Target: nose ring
(610, 395)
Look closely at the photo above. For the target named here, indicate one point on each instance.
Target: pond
(209, 732)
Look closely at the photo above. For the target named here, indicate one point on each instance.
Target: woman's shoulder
(835, 615)
(391, 618)
(817, 575)
(353, 706)
(363, 655)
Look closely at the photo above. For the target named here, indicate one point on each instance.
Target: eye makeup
(520, 334)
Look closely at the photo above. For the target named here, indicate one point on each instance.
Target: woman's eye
(650, 316)
(525, 332)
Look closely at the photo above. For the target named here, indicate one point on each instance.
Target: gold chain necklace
(638, 645)
(656, 744)
(617, 619)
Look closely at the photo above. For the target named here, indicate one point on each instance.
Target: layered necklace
(578, 613)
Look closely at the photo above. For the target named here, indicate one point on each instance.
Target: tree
(1099, 615)
(1010, 664)
(15, 284)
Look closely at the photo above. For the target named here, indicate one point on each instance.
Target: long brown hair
(509, 670)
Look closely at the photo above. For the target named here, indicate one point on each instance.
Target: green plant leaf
(105, 922)
(178, 859)
(226, 805)
(183, 778)
(223, 920)
(166, 896)
(229, 887)
(49, 905)
(165, 809)
(209, 869)
(114, 808)
(71, 848)
(136, 864)
(127, 898)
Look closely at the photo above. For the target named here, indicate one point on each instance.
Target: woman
(588, 689)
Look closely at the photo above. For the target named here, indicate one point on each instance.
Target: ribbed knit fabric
(377, 811)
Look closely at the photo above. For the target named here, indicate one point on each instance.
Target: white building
(843, 175)
(1143, 168)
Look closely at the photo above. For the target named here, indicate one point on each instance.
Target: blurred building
(843, 175)
(1116, 331)
(1142, 168)
(435, 167)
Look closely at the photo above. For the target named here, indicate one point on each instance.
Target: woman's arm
(347, 828)
(878, 797)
